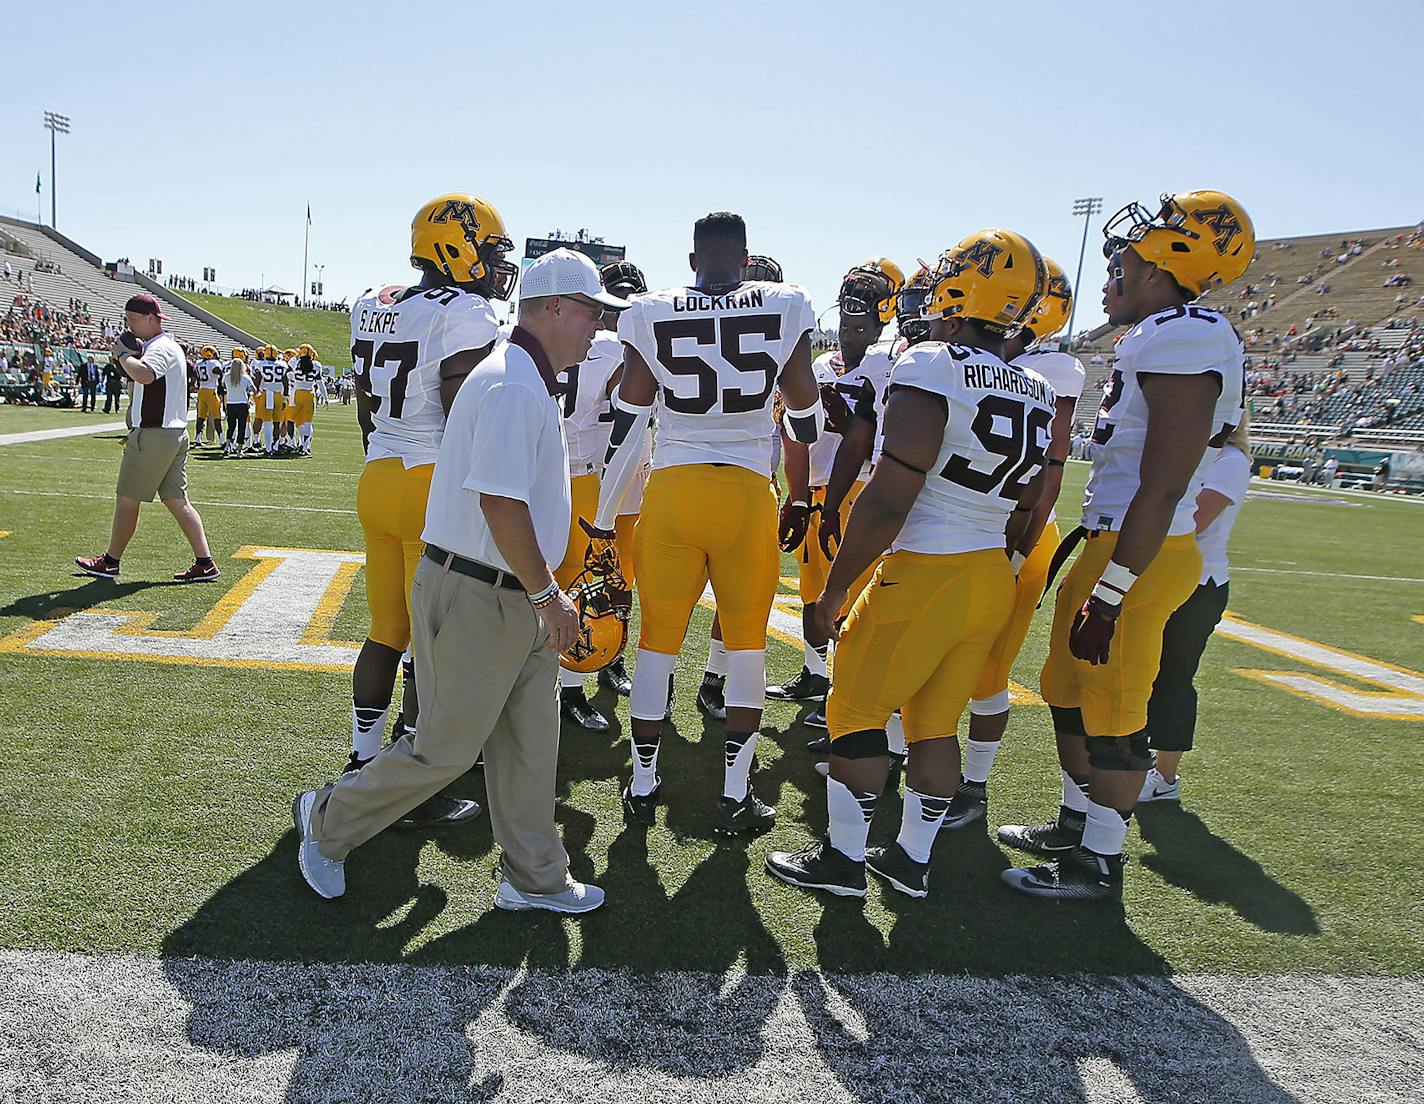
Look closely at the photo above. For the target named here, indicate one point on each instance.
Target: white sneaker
(577, 898)
(1157, 788)
(327, 877)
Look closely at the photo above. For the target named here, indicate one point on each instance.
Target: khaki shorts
(155, 462)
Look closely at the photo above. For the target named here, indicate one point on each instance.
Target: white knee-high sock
(851, 812)
(920, 823)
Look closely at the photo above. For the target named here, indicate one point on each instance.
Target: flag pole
(306, 239)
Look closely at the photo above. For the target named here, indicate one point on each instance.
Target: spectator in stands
(155, 458)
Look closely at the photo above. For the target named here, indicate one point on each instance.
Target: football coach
(155, 459)
(488, 621)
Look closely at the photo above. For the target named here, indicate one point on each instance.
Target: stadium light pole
(55, 123)
(1087, 207)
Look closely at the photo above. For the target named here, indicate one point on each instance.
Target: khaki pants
(486, 675)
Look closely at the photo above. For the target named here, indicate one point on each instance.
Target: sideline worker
(156, 453)
(488, 621)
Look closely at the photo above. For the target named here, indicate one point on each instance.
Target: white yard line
(1326, 574)
(282, 507)
(208, 1031)
(55, 434)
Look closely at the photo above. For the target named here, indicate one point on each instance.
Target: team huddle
(921, 474)
(268, 398)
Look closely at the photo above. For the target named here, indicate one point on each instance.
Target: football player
(259, 396)
(625, 280)
(411, 349)
(989, 707)
(711, 694)
(857, 372)
(586, 398)
(274, 394)
(209, 417)
(718, 351)
(963, 446)
(306, 375)
(1174, 396)
(288, 432)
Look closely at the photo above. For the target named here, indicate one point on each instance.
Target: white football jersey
(994, 443)
(1063, 371)
(273, 374)
(209, 372)
(399, 337)
(304, 379)
(1179, 341)
(587, 405)
(716, 355)
(827, 367)
(873, 371)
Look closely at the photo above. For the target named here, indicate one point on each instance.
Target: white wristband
(1114, 583)
(798, 502)
(1016, 561)
(542, 598)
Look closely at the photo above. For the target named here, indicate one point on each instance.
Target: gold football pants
(916, 640)
(390, 504)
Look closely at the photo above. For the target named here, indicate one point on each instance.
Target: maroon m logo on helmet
(458, 210)
(1223, 224)
(982, 254)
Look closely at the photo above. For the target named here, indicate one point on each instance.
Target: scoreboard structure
(595, 249)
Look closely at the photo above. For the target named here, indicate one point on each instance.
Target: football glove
(836, 407)
(829, 532)
(795, 518)
(1090, 639)
(601, 557)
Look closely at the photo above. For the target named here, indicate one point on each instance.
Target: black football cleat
(969, 803)
(816, 718)
(819, 744)
(440, 811)
(896, 867)
(1051, 839)
(1076, 875)
(711, 696)
(820, 866)
(640, 810)
(804, 687)
(615, 677)
(355, 763)
(574, 706)
(750, 815)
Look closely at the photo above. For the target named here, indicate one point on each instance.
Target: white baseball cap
(566, 272)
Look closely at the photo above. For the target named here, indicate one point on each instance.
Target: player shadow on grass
(1192, 857)
(261, 982)
(54, 604)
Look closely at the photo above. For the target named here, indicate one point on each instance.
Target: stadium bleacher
(27, 246)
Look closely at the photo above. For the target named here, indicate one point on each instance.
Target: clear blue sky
(838, 130)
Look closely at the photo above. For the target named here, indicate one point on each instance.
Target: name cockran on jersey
(1000, 377)
(737, 300)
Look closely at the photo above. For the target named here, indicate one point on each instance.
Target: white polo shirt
(1230, 477)
(504, 436)
(162, 404)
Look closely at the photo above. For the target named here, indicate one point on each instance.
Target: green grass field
(148, 802)
(328, 331)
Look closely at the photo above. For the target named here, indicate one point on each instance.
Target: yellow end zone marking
(4, 533)
(318, 630)
(1401, 700)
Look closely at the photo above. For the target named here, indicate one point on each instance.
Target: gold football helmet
(239, 353)
(306, 350)
(208, 352)
(463, 236)
(1203, 239)
(994, 277)
(871, 286)
(602, 599)
(1051, 314)
(289, 354)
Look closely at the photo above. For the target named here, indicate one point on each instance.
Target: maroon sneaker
(198, 573)
(100, 566)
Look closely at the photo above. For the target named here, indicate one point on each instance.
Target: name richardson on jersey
(378, 321)
(1001, 377)
(732, 300)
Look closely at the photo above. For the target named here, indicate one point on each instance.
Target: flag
(37, 191)
(308, 214)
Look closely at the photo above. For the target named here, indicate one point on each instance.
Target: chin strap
(620, 464)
